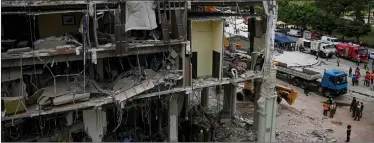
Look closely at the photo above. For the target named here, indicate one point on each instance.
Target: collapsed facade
(106, 70)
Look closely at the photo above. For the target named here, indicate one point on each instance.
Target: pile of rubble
(293, 126)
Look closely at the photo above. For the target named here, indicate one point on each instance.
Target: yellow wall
(51, 24)
(206, 37)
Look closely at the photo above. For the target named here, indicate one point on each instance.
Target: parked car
(329, 40)
(371, 55)
(294, 32)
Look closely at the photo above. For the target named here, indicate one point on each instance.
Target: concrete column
(229, 100)
(267, 102)
(173, 119)
(205, 97)
(95, 123)
(257, 85)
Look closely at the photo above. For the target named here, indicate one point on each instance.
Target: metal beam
(223, 14)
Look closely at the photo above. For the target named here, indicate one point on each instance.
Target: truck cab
(323, 49)
(330, 40)
(334, 83)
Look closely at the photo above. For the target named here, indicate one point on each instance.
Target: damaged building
(125, 70)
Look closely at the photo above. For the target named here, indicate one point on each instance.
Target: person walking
(354, 80)
(362, 109)
(352, 104)
(325, 109)
(354, 109)
(338, 61)
(349, 129)
(350, 71)
(358, 61)
(357, 79)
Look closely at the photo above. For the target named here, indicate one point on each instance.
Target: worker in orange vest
(367, 79)
(325, 109)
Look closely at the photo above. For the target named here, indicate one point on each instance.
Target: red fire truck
(352, 52)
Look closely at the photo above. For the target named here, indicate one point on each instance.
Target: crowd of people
(356, 108)
(368, 78)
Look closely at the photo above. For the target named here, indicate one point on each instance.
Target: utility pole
(267, 105)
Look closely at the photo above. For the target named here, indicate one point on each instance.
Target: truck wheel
(303, 84)
(296, 82)
(327, 93)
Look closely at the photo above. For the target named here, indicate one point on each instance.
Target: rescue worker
(357, 70)
(352, 104)
(350, 71)
(338, 61)
(358, 112)
(367, 79)
(325, 109)
(332, 110)
(349, 129)
(354, 109)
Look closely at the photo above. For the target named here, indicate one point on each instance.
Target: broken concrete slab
(173, 54)
(70, 98)
(143, 86)
(18, 50)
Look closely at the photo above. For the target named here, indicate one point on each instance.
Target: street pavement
(344, 66)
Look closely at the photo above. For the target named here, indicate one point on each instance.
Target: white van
(294, 32)
(331, 40)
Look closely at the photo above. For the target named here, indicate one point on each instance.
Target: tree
(351, 28)
(339, 7)
(336, 7)
(306, 14)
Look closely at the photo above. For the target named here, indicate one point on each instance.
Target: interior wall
(217, 35)
(206, 36)
(52, 25)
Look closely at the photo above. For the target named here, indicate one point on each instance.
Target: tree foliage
(327, 18)
(352, 28)
(307, 15)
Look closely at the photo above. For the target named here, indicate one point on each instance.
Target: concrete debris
(70, 98)
(295, 127)
(18, 50)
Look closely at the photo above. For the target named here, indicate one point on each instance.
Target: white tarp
(140, 15)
